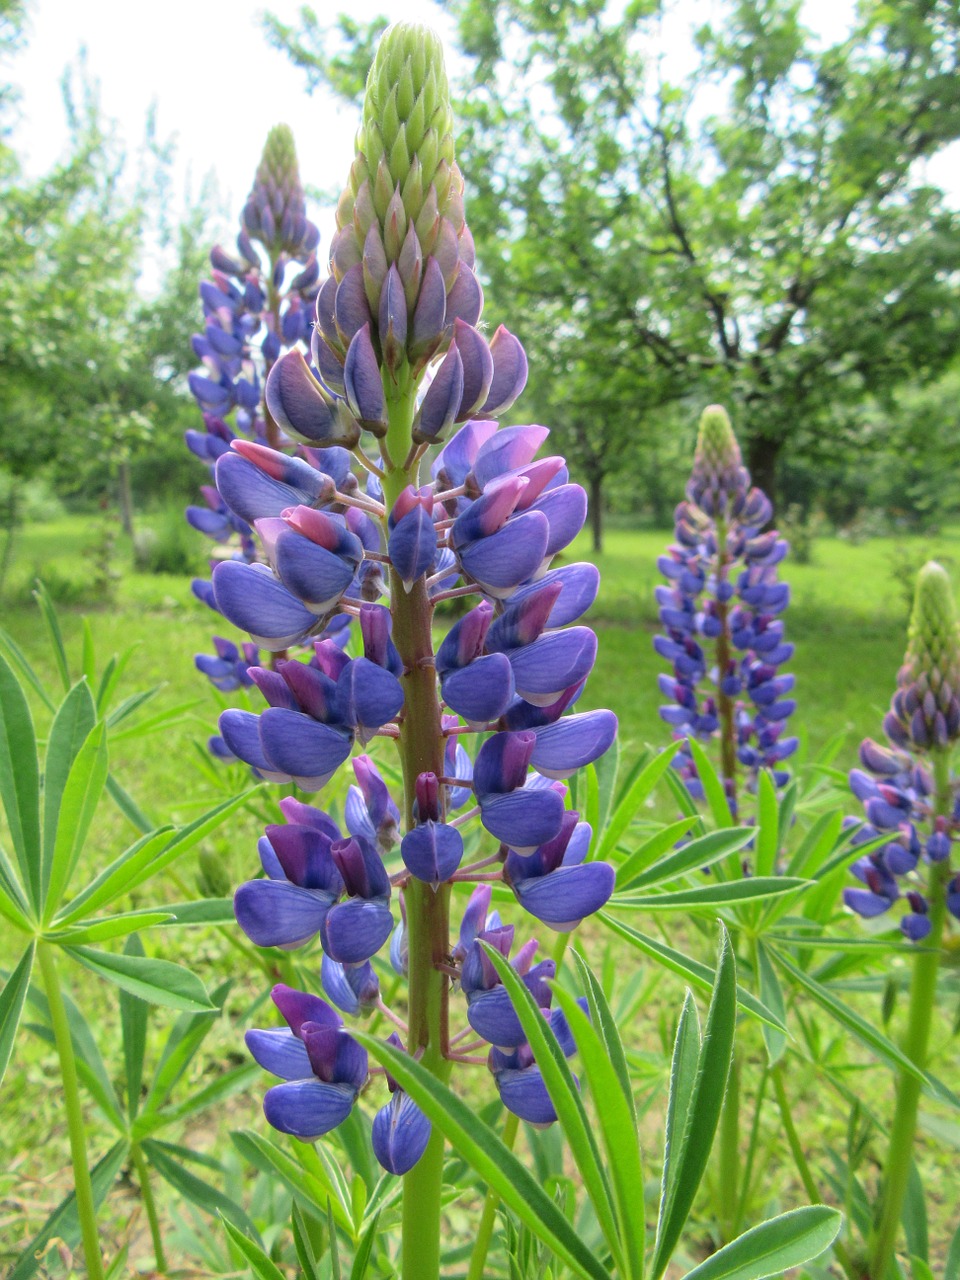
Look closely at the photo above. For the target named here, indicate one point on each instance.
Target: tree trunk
(763, 454)
(11, 519)
(596, 511)
(126, 499)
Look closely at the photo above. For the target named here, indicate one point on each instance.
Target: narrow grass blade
(495, 1165)
(693, 971)
(774, 1246)
(647, 853)
(128, 806)
(695, 1117)
(712, 896)
(768, 825)
(630, 802)
(365, 1250)
(187, 1184)
(8, 643)
(260, 1264)
(310, 1190)
(134, 1016)
(42, 597)
(11, 1005)
(699, 853)
(772, 997)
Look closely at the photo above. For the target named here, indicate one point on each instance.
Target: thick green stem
(427, 909)
(915, 1044)
(729, 1153)
(150, 1205)
(725, 704)
(478, 1259)
(86, 1209)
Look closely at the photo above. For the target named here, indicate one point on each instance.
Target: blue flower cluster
(721, 612)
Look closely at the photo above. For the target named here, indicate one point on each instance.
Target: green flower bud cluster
(925, 711)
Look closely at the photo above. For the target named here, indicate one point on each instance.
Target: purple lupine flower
(396, 320)
(229, 668)
(519, 1080)
(722, 631)
(896, 785)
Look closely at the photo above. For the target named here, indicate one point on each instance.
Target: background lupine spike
(927, 703)
(275, 212)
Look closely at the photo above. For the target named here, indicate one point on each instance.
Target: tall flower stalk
(911, 796)
(721, 612)
(397, 366)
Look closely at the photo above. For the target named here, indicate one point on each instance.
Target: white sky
(219, 87)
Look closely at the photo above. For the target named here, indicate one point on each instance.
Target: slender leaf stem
(86, 1209)
(478, 1259)
(915, 1044)
(150, 1206)
(751, 1152)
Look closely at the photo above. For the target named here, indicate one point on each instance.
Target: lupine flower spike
(397, 362)
(723, 633)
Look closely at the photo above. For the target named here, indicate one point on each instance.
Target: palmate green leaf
(774, 1246)
(107, 927)
(64, 1223)
(11, 1005)
(694, 1109)
(157, 981)
(864, 1031)
(710, 897)
(565, 1096)
(618, 1127)
(693, 971)
(702, 852)
(497, 1166)
(260, 1263)
(162, 1156)
(311, 1190)
(20, 779)
(71, 726)
(650, 850)
(134, 1016)
(147, 857)
(81, 795)
(634, 796)
(712, 786)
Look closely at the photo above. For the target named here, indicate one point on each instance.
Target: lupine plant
(399, 369)
(911, 800)
(721, 617)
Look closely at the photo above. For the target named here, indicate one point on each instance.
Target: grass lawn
(847, 618)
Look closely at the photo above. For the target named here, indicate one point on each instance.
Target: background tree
(759, 230)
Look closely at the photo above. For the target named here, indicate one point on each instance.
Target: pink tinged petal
(569, 744)
(499, 563)
(275, 913)
(410, 265)
(412, 546)
(362, 382)
(488, 513)
(522, 819)
(354, 931)
(251, 492)
(509, 372)
(580, 583)
(279, 1051)
(400, 1134)
(510, 448)
(447, 252)
(300, 746)
(481, 691)
(298, 403)
(564, 897)
(432, 851)
(254, 600)
(351, 312)
(465, 299)
(566, 509)
(306, 815)
(438, 411)
(477, 367)
(430, 312)
(559, 659)
(325, 310)
(464, 641)
(313, 691)
(361, 866)
(308, 1108)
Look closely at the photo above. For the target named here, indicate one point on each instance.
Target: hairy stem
(86, 1209)
(915, 1044)
(729, 1154)
(428, 910)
